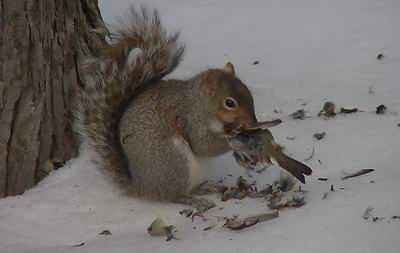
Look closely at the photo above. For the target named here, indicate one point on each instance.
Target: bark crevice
(8, 145)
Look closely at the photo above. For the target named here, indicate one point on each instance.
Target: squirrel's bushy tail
(140, 52)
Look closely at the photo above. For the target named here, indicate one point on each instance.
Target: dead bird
(254, 147)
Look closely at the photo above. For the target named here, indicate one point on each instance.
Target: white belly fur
(195, 175)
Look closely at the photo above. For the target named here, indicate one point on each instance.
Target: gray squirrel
(151, 131)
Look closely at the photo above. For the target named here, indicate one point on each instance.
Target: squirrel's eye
(230, 103)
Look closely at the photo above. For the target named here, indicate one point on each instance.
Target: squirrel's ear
(229, 68)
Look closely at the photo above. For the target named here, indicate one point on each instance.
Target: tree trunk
(39, 44)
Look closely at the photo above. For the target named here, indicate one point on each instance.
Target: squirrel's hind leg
(158, 168)
(164, 168)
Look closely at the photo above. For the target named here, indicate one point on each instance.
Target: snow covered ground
(309, 51)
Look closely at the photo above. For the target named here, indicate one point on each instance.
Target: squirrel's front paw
(287, 199)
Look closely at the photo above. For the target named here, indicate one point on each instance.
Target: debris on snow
(208, 187)
(186, 212)
(328, 110)
(261, 194)
(105, 232)
(358, 173)
(331, 189)
(381, 109)
(319, 136)
(367, 213)
(376, 218)
(286, 193)
(199, 214)
(159, 228)
(237, 223)
(210, 227)
(78, 245)
(242, 189)
(280, 201)
(299, 114)
(348, 110)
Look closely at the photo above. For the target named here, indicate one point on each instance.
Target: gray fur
(148, 128)
(147, 137)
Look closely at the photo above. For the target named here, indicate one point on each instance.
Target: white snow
(310, 51)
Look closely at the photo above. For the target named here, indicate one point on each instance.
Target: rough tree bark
(39, 44)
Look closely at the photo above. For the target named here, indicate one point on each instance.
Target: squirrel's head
(228, 101)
